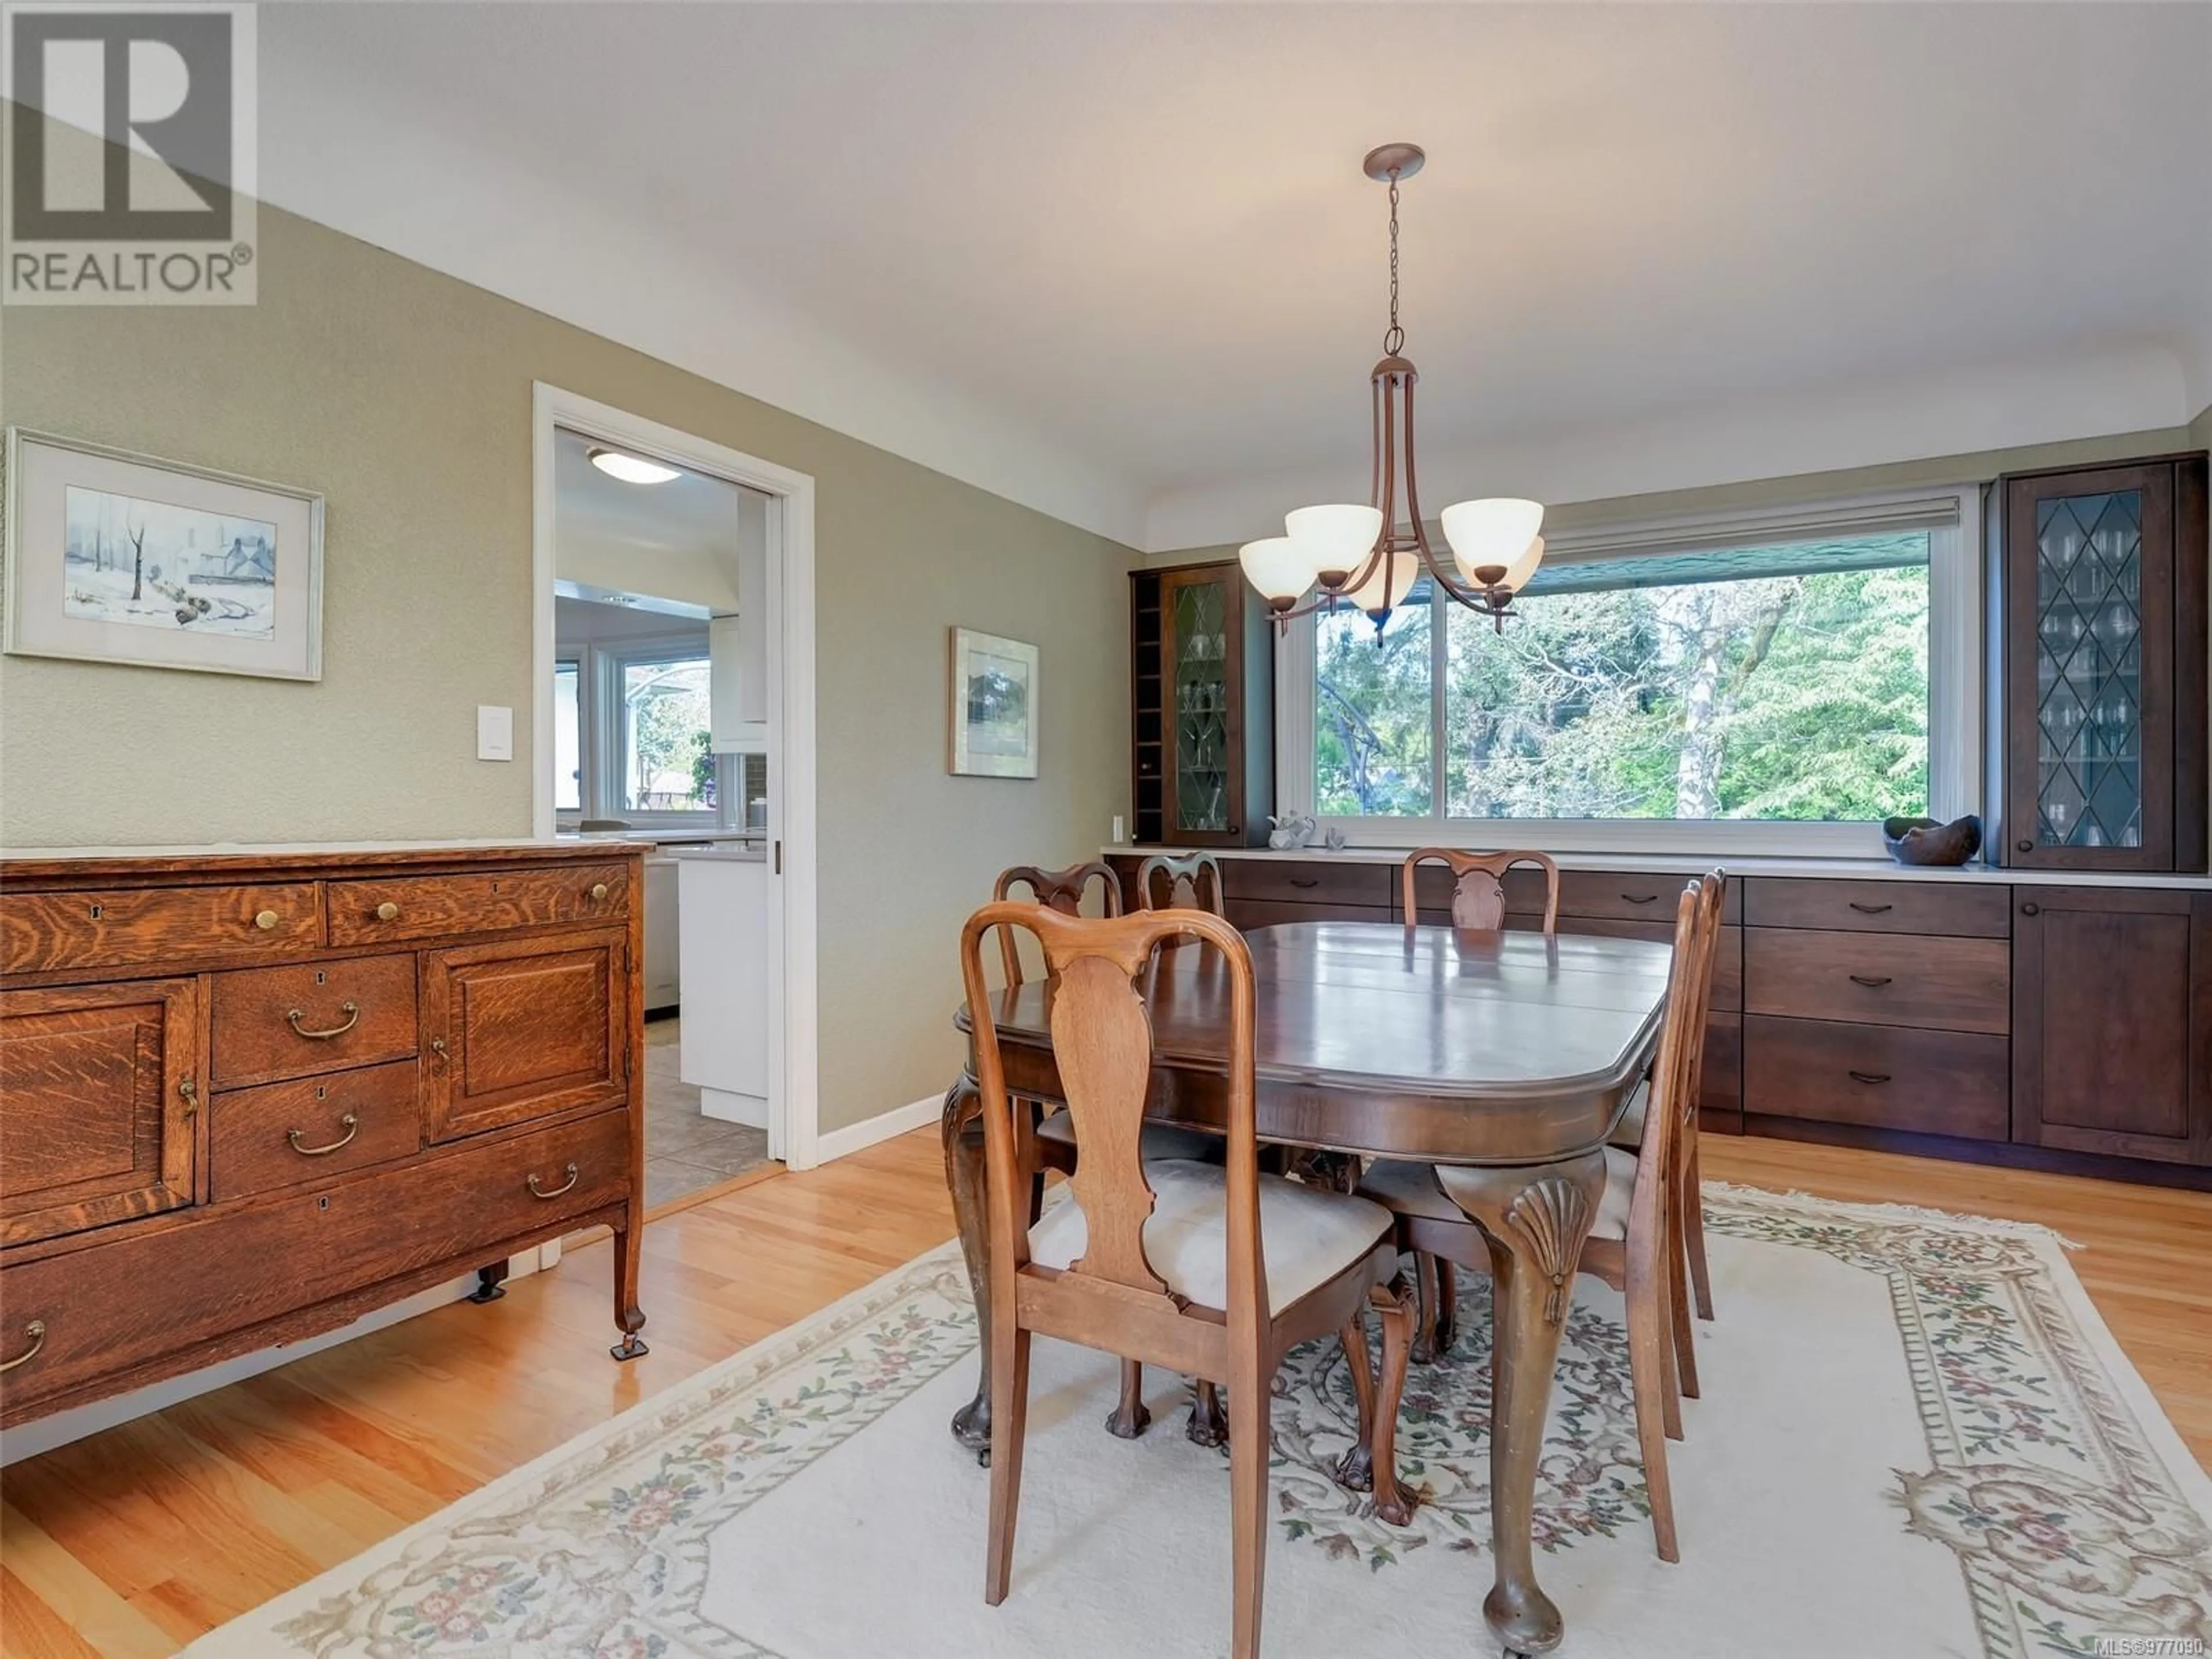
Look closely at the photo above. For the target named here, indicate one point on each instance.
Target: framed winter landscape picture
(993, 714)
(115, 557)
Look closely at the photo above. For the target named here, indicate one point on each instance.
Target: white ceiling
(1118, 261)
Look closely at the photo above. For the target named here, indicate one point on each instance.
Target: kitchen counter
(1675, 864)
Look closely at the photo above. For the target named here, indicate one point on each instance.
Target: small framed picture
(115, 557)
(995, 707)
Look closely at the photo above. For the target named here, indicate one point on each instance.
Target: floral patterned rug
(1915, 1437)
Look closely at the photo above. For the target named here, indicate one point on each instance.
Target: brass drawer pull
(190, 1091)
(36, 1330)
(387, 911)
(1872, 981)
(351, 1010)
(266, 920)
(349, 1123)
(1871, 910)
(1869, 1077)
(598, 891)
(536, 1192)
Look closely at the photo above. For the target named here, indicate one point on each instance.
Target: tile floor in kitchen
(685, 1152)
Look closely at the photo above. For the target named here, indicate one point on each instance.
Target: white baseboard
(43, 1434)
(725, 1106)
(867, 1132)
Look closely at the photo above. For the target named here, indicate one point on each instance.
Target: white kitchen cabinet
(664, 958)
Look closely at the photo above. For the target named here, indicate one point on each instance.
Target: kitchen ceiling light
(632, 469)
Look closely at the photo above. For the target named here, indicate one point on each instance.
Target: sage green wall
(405, 396)
(1815, 486)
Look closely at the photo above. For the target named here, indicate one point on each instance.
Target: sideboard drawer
(1880, 1077)
(1880, 979)
(271, 1022)
(139, 1295)
(1285, 881)
(430, 907)
(1904, 906)
(1634, 896)
(281, 1134)
(159, 926)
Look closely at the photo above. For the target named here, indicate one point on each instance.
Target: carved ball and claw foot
(1209, 1419)
(1129, 1417)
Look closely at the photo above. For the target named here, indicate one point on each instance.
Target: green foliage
(1788, 697)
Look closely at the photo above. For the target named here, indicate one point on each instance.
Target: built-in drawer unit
(155, 927)
(1283, 881)
(1878, 1076)
(273, 1023)
(234, 1089)
(1627, 896)
(310, 1128)
(128, 1302)
(426, 907)
(1881, 979)
(1879, 907)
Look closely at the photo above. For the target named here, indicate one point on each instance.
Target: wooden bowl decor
(1924, 840)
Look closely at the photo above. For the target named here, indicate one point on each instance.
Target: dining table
(1513, 1054)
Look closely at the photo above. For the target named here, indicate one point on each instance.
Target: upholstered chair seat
(1307, 1235)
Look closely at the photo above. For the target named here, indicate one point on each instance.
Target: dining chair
(1479, 885)
(1633, 1237)
(1065, 891)
(1478, 902)
(1192, 881)
(1687, 1188)
(1213, 1270)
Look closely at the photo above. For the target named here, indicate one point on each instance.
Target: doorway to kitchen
(674, 706)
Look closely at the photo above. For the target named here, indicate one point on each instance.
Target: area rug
(1915, 1437)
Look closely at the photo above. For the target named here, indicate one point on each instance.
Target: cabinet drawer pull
(36, 1330)
(598, 891)
(266, 920)
(349, 1123)
(351, 1010)
(537, 1192)
(387, 911)
(1869, 1077)
(1305, 881)
(190, 1091)
(1641, 898)
(1872, 981)
(2031, 909)
(1871, 910)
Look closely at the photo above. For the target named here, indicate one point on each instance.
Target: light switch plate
(495, 733)
(1119, 835)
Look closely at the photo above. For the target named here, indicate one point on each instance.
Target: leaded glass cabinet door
(2091, 665)
(1202, 653)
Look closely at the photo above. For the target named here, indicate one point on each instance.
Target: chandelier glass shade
(1344, 553)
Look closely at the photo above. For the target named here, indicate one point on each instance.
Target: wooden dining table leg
(1536, 1219)
(960, 1127)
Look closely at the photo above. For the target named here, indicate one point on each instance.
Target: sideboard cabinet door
(2111, 990)
(523, 1029)
(101, 1085)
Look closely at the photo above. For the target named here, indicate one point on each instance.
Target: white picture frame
(118, 557)
(991, 707)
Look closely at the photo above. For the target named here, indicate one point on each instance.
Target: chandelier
(1346, 555)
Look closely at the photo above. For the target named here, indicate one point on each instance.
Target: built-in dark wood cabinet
(1202, 683)
(2112, 1008)
(2099, 575)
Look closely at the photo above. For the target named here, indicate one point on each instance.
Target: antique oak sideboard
(248, 1097)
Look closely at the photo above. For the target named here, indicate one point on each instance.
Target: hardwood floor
(131, 1543)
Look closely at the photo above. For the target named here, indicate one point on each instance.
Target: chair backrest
(1479, 885)
(1712, 899)
(1102, 1045)
(1673, 1073)
(1192, 882)
(1056, 890)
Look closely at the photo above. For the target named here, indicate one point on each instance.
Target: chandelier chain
(1393, 339)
